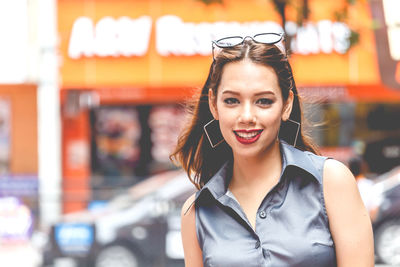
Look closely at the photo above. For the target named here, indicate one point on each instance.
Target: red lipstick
(247, 137)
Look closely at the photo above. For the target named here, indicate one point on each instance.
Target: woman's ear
(212, 103)
(287, 109)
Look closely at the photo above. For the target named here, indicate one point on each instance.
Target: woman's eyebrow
(230, 92)
(256, 94)
(265, 93)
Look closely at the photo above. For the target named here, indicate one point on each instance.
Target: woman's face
(249, 107)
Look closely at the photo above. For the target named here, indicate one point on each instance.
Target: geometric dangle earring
(213, 133)
(289, 131)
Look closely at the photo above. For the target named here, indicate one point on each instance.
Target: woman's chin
(253, 150)
(247, 152)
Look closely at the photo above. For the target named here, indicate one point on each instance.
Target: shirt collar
(304, 160)
(291, 156)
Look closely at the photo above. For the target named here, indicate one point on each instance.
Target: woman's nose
(247, 114)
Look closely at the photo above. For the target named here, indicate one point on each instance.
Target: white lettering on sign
(175, 37)
(73, 233)
(130, 37)
(110, 37)
(325, 36)
(391, 151)
(392, 19)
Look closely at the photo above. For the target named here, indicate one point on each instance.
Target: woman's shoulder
(349, 222)
(338, 180)
(192, 251)
(336, 173)
(188, 217)
(188, 207)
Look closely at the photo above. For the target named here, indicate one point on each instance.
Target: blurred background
(92, 100)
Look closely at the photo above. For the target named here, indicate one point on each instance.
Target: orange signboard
(164, 44)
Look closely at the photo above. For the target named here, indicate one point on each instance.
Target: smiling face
(249, 107)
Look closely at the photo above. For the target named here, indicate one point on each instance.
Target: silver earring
(287, 129)
(213, 133)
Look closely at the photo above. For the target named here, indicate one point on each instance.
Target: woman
(265, 198)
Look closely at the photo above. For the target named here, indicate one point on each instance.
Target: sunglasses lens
(229, 42)
(268, 38)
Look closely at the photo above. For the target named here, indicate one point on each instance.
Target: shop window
(384, 117)
(370, 129)
(130, 143)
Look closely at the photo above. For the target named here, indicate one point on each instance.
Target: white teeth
(247, 135)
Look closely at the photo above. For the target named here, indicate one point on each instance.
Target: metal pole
(49, 126)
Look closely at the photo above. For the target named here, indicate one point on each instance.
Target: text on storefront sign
(129, 37)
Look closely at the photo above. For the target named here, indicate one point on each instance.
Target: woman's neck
(254, 171)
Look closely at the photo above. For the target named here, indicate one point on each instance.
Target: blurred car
(141, 227)
(386, 224)
(138, 228)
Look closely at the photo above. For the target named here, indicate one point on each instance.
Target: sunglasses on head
(270, 38)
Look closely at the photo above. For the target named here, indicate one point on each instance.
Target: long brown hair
(193, 151)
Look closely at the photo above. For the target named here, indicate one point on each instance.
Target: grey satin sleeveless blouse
(292, 227)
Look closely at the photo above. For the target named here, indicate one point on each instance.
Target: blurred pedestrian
(265, 197)
(366, 186)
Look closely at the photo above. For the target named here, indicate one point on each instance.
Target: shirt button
(263, 214)
(257, 244)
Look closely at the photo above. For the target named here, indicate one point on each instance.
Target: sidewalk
(19, 255)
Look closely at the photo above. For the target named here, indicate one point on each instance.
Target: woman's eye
(264, 101)
(231, 101)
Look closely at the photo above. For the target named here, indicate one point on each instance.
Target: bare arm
(349, 221)
(191, 248)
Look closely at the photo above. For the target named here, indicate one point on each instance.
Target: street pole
(48, 103)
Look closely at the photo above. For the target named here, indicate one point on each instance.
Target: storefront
(18, 159)
(19, 209)
(128, 65)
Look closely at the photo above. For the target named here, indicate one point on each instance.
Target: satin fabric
(292, 227)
